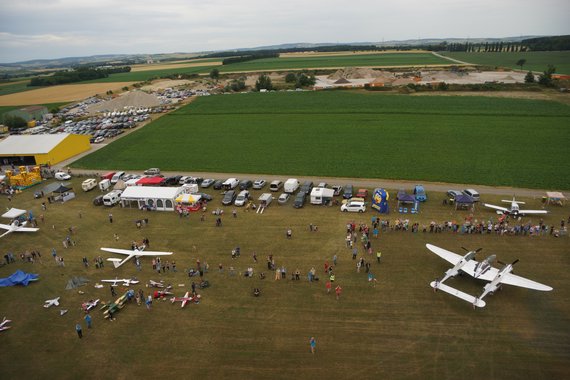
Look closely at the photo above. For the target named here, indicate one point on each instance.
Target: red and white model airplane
(4, 324)
(515, 209)
(131, 253)
(186, 298)
(16, 225)
(86, 306)
(480, 270)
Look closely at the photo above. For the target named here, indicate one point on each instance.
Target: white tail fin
(116, 262)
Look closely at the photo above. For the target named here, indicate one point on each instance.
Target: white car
(283, 198)
(259, 184)
(353, 206)
(61, 176)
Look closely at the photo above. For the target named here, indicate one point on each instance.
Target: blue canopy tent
(18, 278)
(464, 202)
(405, 198)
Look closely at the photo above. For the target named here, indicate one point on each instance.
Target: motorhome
(104, 184)
(321, 195)
(112, 198)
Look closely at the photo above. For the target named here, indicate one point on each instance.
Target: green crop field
(375, 60)
(141, 76)
(535, 60)
(399, 329)
(476, 140)
(7, 89)
(4, 109)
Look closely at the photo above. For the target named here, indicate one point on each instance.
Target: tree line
(79, 74)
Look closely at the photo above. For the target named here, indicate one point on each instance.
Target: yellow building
(42, 149)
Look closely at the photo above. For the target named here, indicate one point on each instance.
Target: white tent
(150, 197)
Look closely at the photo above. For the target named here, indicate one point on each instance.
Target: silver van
(472, 193)
(275, 185)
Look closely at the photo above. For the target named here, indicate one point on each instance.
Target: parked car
(242, 198)
(337, 189)
(259, 184)
(353, 206)
(183, 179)
(207, 197)
(348, 190)
(152, 171)
(171, 181)
(322, 184)
(98, 200)
(229, 197)
(283, 198)
(116, 177)
(61, 176)
(300, 199)
(218, 184)
(230, 183)
(275, 185)
(245, 184)
(306, 187)
(452, 194)
(362, 193)
(473, 194)
(207, 183)
(420, 193)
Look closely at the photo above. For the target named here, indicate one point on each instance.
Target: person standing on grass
(338, 291)
(328, 286)
(378, 256)
(88, 320)
(79, 330)
(313, 344)
(110, 218)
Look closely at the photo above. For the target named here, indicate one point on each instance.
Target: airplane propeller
(512, 264)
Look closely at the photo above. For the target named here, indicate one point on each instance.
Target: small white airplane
(4, 324)
(155, 284)
(515, 209)
(185, 299)
(130, 254)
(16, 226)
(124, 281)
(480, 270)
(86, 306)
(49, 303)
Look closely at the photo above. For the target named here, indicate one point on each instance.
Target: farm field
(16, 87)
(398, 329)
(359, 60)
(177, 65)
(535, 60)
(59, 94)
(477, 140)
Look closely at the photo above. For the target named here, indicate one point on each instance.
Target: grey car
(229, 197)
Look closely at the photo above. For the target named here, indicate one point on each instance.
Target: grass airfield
(398, 329)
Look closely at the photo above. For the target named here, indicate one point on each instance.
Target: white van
(291, 185)
(117, 176)
(230, 183)
(105, 184)
(275, 185)
(89, 184)
(242, 198)
(265, 199)
(472, 193)
(112, 198)
(321, 195)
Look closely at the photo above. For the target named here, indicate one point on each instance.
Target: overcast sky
(31, 29)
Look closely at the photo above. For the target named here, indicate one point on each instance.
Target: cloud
(57, 28)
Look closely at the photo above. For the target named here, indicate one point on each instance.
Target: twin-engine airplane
(138, 252)
(515, 209)
(480, 270)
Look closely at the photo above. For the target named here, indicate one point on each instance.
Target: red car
(362, 193)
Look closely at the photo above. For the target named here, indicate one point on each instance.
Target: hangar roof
(20, 145)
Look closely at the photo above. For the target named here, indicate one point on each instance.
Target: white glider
(130, 254)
